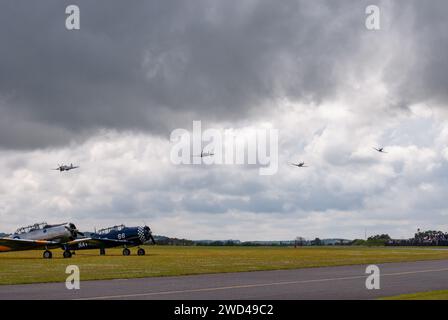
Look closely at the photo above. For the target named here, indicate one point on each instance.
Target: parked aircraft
(115, 236)
(42, 236)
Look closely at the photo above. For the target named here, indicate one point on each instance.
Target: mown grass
(430, 295)
(29, 267)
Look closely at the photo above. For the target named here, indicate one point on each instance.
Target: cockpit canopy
(33, 227)
(114, 228)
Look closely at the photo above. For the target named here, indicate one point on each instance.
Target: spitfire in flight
(381, 150)
(66, 168)
(299, 165)
(206, 154)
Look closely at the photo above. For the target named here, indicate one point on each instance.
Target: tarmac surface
(343, 282)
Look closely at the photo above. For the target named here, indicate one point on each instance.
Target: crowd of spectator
(431, 238)
(425, 238)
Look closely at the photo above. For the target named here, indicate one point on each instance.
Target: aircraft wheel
(126, 252)
(47, 254)
(67, 254)
(102, 251)
(141, 252)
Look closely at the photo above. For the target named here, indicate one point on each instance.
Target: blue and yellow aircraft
(115, 236)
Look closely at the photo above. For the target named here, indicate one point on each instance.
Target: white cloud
(127, 177)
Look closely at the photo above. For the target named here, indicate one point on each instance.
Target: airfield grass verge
(29, 267)
(430, 295)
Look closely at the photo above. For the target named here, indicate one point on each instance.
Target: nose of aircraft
(73, 230)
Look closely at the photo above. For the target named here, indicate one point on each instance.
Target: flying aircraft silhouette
(65, 168)
(206, 154)
(299, 165)
(379, 149)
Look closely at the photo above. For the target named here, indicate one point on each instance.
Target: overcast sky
(107, 97)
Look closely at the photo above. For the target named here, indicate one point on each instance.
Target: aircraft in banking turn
(300, 164)
(42, 236)
(381, 150)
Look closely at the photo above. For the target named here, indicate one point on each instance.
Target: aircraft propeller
(73, 230)
(152, 239)
(149, 234)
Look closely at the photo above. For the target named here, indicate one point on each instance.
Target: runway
(344, 282)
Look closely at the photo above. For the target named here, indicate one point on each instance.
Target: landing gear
(47, 254)
(141, 252)
(102, 251)
(126, 252)
(67, 254)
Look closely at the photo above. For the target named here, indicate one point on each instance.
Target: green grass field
(29, 267)
(430, 295)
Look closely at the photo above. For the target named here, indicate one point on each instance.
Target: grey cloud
(157, 65)
(422, 33)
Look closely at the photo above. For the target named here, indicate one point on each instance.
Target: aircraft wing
(9, 244)
(93, 243)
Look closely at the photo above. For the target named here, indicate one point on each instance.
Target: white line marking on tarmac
(253, 285)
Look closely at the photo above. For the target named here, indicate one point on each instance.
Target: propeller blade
(71, 231)
(152, 239)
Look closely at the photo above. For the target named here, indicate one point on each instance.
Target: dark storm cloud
(157, 65)
(426, 79)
